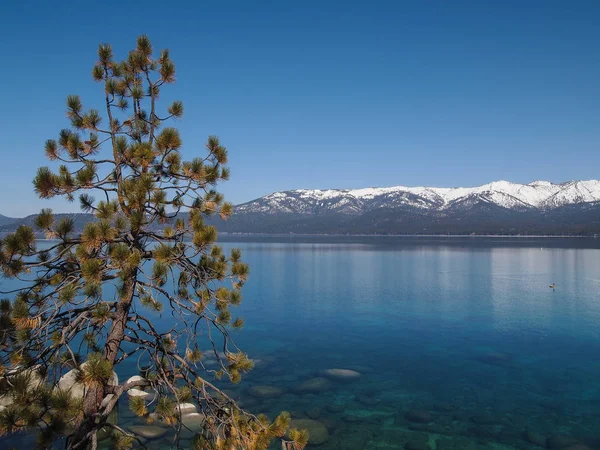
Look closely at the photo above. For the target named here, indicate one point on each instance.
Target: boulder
(483, 419)
(138, 393)
(317, 432)
(265, 391)
(494, 358)
(342, 374)
(68, 382)
(368, 400)
(534, 438)
(335, 407)
(193, 421)
(135, 378)
(419, 416)
(185, 408)
(445, 407)
(106, 400)
(314, 385)
(192, 424)
(417, 441)
(148, 431)
(314, 413)
(417, 445)
(351, 418)
(560, 442)
(34, 381)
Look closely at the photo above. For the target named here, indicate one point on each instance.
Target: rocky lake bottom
(500, 405)
(443, 347)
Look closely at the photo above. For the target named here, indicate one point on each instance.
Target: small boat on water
(552, 286)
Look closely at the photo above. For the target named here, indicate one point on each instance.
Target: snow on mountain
(540, 195)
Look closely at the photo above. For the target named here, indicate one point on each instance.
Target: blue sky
(326, 94)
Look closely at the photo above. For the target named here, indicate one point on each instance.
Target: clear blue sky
(318, 94)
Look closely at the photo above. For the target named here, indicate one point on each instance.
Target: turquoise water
(460, 344)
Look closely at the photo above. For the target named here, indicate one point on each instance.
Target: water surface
(460, 342)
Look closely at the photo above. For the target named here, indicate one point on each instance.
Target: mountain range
(501, 207)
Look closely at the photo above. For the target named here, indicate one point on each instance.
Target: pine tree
(82, 306)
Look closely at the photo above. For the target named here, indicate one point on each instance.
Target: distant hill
(7, 220)
(79, 219)
(501, 207)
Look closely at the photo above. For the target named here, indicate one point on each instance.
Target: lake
(460, 342)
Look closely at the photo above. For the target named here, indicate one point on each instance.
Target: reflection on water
(459, 346)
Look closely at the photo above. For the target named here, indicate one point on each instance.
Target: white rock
(135, 378)
(186, 408)
(138, 393)
(342, 374)
(193, 421)
(154, 417)
(105, 400)
(68, 382)
(148, 431)
(35, 380)
(210, 354)
(113, 380)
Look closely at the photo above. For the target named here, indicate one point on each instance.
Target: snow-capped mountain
(501, 207)
(538, 195)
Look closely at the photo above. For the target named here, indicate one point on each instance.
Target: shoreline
(518, 236)
(441, 236)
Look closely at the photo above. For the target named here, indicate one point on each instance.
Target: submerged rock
(368, 400)
(419, 416)
(560, 442)
(417, 445)
(445, 407)
(193, 421)
(258, 363)
(534, 438)
(185, 408)
(417, 441)
(342, 374)
(482, 419)
(456, 443)
(148, 431)
(314, 385)
(352, 418)
(329, 422)
(429, 428)
(317, 432)
(335, 407)
(314, 413)
(265, 391)
(494, 358)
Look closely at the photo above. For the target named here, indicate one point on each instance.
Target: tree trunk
(94, 396)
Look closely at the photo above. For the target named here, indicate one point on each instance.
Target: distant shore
(520, 236)
(333, 235)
